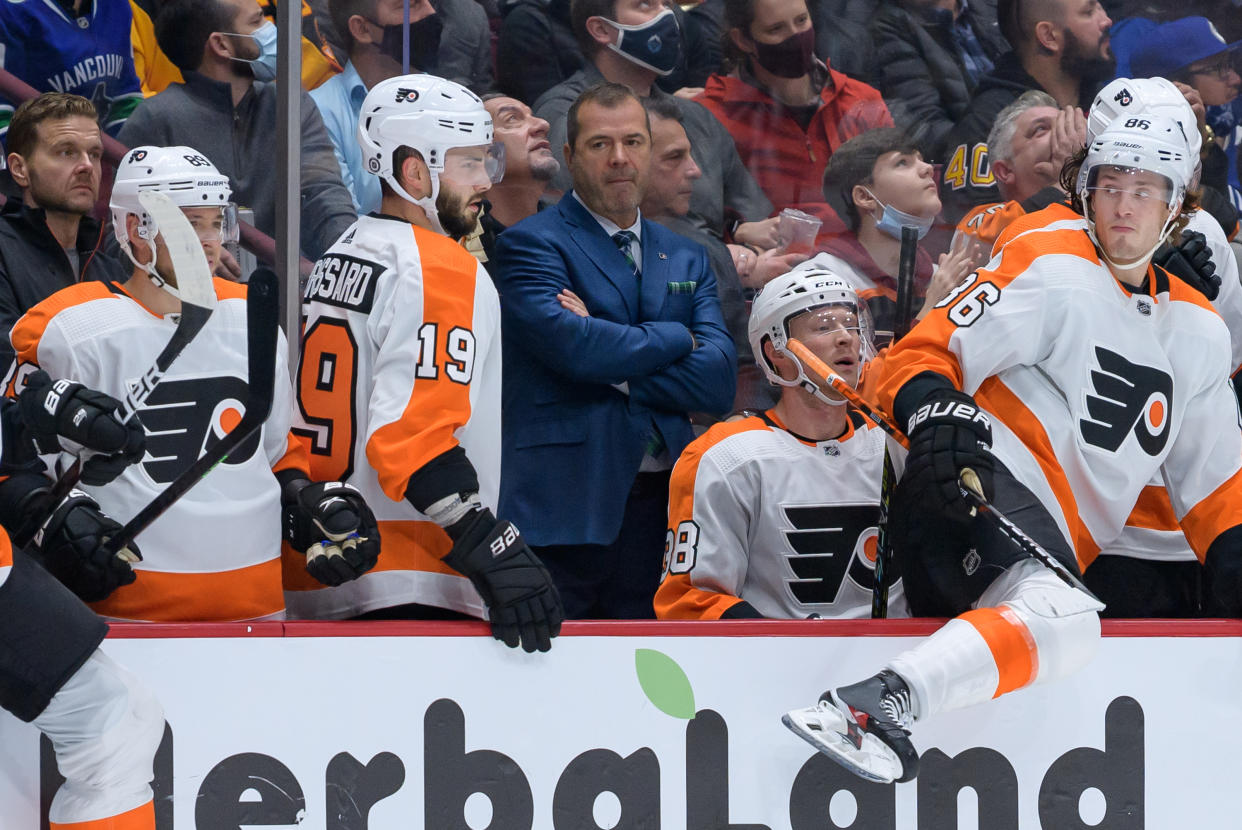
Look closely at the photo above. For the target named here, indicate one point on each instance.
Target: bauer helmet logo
(405, 95)
(1123, 398)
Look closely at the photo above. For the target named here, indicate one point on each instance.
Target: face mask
(793, 57)
(424, 42)
(654, 45)
(264, 66)
(892, 220)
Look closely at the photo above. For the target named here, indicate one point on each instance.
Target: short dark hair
(853, 164)
(605, 94)
(582, 10)
(738, 14)
(662, 106)
(183, 27)
(1017, 18)
(342, 10)
(23, 134)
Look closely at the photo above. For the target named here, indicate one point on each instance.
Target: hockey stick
(262, 322)
(972, 489)
(198, 301)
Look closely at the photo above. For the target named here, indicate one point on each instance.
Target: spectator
(415, 423)
(529, 166)
(810, 462)
(787, 111)
(73, 46)
(666, 200)
(930, 55)
(223, 109)
(1028, 145)
(48, 240)
(464, 46)
(884, 184)
(612, 334)
(727, 201)
(1059, 46)
(1192, 52)
(537, 49)
(105, 334)
(374, 56)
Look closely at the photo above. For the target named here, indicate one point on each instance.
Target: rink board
(377, 725)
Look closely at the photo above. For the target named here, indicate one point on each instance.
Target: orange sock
(1011, 643)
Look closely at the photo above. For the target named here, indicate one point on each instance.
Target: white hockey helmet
(428, 114)
(1131, 97)
(1153, 143)
(182, 173)
(795, 293)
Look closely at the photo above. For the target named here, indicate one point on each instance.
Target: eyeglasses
(1142, 195)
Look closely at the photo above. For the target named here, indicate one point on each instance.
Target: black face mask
(793, 57)
(424, 42)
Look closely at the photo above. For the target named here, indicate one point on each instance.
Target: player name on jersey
(344, 281)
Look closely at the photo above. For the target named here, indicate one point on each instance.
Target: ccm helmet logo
(406, 95)
(502, 542)
(950, 409)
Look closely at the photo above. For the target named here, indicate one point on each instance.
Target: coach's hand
(948, 432)
(522, 602)
(1191, 260)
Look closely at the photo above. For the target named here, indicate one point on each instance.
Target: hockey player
(103, 724)
(107, 335)
(399, 382)
(775, 515)
(1066, 373)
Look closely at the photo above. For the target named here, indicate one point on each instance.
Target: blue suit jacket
(572, 442)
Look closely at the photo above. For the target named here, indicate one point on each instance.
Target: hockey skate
(863, 728)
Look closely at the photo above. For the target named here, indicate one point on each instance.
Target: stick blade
(184, 249)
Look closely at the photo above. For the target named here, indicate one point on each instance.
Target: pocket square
(686, 287)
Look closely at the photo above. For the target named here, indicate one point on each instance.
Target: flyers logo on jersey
(1127, 397)
(829, 543)
(344, 281)
(184, 418)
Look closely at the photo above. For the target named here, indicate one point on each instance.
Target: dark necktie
(624, 241)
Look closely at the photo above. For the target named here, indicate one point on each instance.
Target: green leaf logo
(664, 683)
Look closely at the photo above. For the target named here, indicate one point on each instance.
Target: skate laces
(897, 706)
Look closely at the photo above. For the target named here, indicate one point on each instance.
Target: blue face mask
(892, 220)
(654, 45)
(264, 66)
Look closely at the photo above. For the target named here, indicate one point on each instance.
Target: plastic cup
(797, 231)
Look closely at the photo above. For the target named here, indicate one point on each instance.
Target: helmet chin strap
(806, 383)
(149, 269)
(428, 204)
(1168, 224)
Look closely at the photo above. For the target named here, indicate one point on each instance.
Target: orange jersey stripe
(28, 331)
(139, 818)
(678, 598)
(995, 396)
(1214, 515)
(1012, 646)
(437, 406)
(986, 222)
(241, 594)
(296, 457)
(1153, 511)
(6, 550)
(404, 546)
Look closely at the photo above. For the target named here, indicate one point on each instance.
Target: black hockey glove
(71, 547)
(522, 602)
(65, 415)
(948, 433)
(331, 523)
(1192, 262)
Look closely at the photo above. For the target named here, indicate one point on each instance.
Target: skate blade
(825, 730)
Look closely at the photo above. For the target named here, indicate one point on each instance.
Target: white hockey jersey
(789, 526)
(215, 554)
(400, 363)
(1094, 390)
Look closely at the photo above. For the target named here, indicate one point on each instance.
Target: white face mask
(264, 66)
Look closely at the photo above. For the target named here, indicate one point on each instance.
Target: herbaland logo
(254, 789)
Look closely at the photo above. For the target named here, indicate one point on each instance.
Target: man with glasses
(399, 383)
(775, 515)
(1065, 374)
